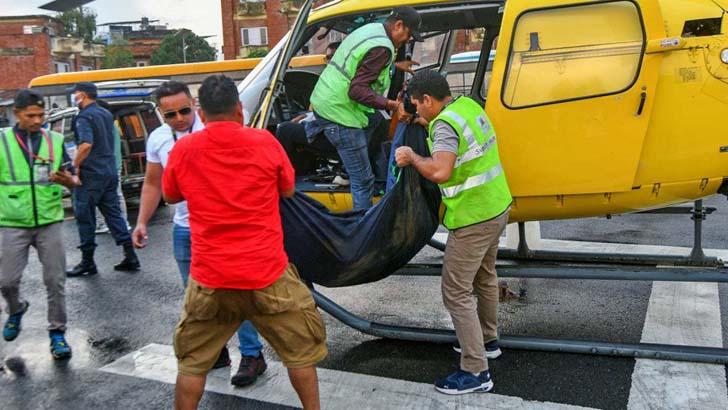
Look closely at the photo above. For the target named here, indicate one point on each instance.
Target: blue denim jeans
(98, 191)
(351, 144)
(248, 338)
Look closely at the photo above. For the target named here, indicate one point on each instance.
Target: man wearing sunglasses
(94, 131)
(176, 105)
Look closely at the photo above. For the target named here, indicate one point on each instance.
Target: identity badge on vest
(42, 173)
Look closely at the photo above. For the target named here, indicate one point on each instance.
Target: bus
(129, 92)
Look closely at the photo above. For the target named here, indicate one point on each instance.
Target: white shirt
(159, 145)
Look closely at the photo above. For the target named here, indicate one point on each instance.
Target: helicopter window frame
(638, 71)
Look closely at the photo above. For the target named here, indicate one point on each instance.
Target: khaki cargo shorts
(284, 313)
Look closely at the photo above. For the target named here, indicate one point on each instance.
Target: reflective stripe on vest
(475, 150)
(330, 97)
(7, 154)
(477, 189)
(25, 203)
(341, 68)
(473, 182)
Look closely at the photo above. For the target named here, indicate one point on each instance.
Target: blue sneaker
(59, 347)
(462, 382)
(12, 325)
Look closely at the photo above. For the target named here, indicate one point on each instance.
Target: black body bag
(352, 248)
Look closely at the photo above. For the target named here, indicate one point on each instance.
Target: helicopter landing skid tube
(414, 334)
(698, 214)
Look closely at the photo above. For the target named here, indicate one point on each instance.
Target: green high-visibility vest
(330, 98)
(477, 189)
(24, 202)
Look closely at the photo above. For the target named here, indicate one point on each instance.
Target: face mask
(75, 102)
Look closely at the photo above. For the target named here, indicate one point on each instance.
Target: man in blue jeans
(94, 130)
(361, 66)
(178, 109)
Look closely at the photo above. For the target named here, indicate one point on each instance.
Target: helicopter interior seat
(308, 158)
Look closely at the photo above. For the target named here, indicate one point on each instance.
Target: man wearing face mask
(94, 130)
(361, 66)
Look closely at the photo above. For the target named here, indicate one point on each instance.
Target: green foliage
(118, 56)
(170, 50)
(80, 22)
(261, 52)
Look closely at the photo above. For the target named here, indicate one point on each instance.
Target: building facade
(32, 46)
(254, 25)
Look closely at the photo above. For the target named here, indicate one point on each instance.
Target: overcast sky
(201, 16)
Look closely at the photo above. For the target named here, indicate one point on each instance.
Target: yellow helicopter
(600, 107)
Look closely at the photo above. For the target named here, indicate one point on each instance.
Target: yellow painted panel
(587, 146)
(145, 72)
(540, 208)
(582, 206)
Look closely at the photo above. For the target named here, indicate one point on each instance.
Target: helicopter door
(260, 119)
(571, 93)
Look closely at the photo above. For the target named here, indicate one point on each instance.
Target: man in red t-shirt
(232, 178)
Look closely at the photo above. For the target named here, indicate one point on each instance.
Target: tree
(261, 52)
(170, 51)
(118, 56)
(80, 22)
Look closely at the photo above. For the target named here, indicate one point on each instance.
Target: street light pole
(184, 49)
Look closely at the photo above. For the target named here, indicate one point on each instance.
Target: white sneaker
(492, 349)
(338, 180)
(102, 229)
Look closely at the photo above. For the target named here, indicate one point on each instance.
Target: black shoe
(249, 370)
(128, 265)
(223, 360)
(84, 268)
(130, 262)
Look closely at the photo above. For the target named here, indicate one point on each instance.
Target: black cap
(411, 18)
(25, 98)
(85, 87)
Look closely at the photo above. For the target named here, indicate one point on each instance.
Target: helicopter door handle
(643, 99)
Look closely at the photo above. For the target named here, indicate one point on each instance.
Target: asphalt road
(113, 314)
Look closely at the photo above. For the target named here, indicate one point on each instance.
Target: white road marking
(685, 314)
(339, 390)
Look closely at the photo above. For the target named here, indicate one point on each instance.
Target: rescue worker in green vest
(33, 162)
(466, 165)
(350, 91)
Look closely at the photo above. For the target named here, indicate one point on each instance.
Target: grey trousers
(48, 241)
(469, 270)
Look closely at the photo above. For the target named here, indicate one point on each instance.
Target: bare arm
(84, 149)
(289, 192)
(437, 168)
(151, 195)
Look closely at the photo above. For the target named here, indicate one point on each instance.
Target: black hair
(171, 88)
(218, 95)
(92, 94)
(391, 19)
(428, 82)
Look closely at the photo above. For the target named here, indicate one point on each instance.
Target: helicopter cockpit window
(549, 64)
(428, 52)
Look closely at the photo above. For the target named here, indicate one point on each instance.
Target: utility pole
(184, 49)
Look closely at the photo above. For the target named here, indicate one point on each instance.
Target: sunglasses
(170, 115)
